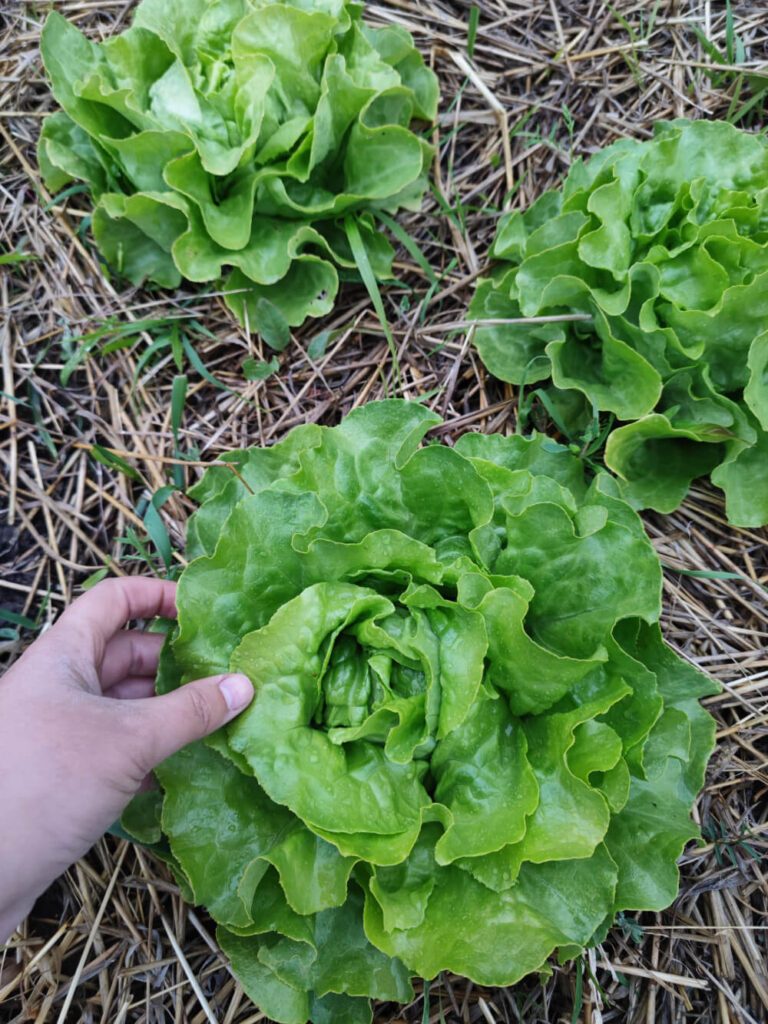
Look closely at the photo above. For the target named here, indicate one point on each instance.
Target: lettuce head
(662, 246)
(468, 746)
(228, 140)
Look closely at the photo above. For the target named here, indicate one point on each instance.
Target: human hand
(80, 730)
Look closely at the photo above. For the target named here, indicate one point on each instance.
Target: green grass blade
(408, 243)
(425, 1013)
(18, 620)
(709, 574)
(730, 33)
(157, 346)
(177, 347)
(474, 21)
(108, 458)
(577, 996)
(200, 366)
(155, 526)
(369, 280)
(71, 190)
(120, 334)
(16, 257)
(34, 406)
(132, 540)
(94, 578)
(178, 398)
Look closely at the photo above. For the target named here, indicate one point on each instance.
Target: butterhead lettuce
(663, 245)
(468, 746)
(227, 140)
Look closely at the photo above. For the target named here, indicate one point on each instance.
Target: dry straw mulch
(112, 940)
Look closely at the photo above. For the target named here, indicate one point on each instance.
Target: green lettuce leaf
(661, 248)
(227, 141)
(468, 745)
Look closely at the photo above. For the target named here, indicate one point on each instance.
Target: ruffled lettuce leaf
(468, 746)
(662, 248)
(226, 141)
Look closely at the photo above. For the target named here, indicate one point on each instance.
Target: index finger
(97, 615)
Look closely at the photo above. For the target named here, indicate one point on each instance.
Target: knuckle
(141, 655)
(139, 745)
(200, 708)
(136, 657)
(109, 591)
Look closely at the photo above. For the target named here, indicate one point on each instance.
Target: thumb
(170, 722)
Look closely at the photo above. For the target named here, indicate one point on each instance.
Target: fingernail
(237, 691)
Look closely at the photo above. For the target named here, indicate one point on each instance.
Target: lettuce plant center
(468, 745)
(660, 250)
(234, 142)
